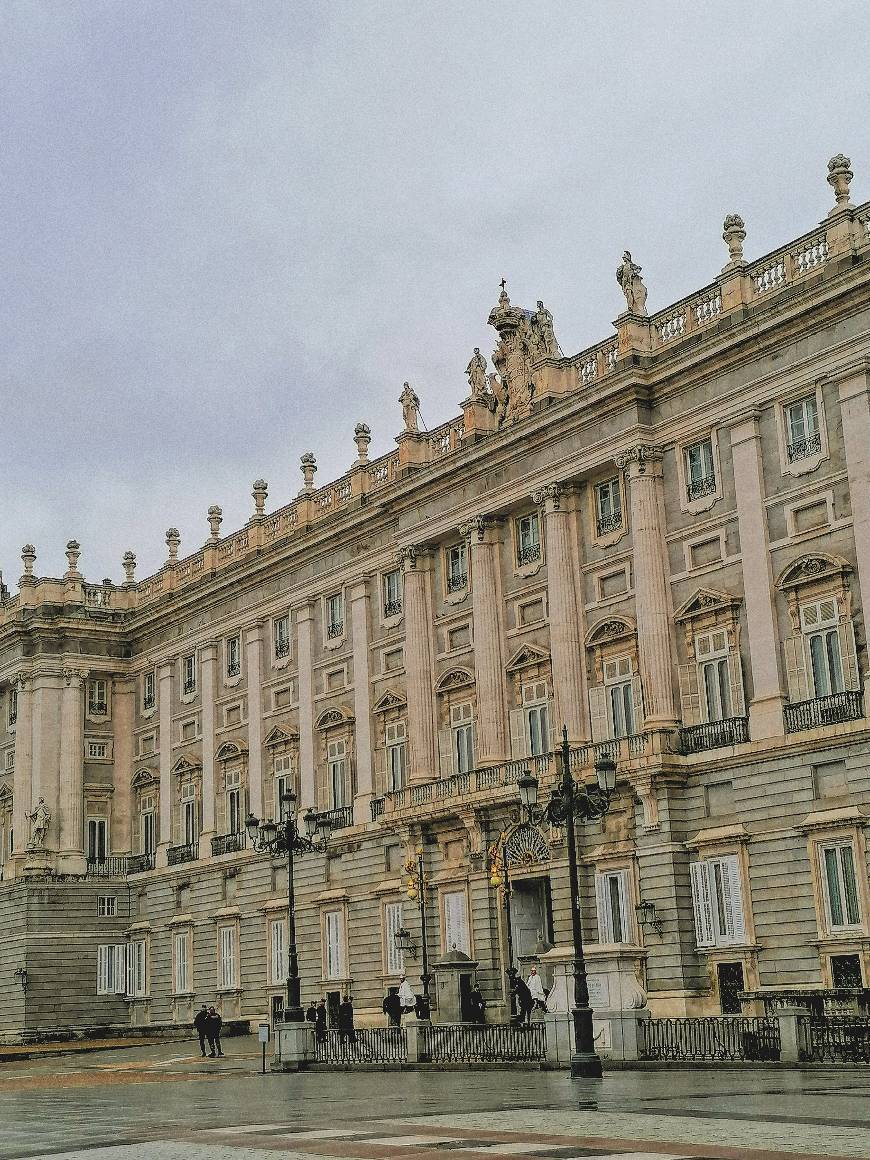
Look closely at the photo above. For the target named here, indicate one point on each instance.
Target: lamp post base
(586, 1065)
(294, 1015)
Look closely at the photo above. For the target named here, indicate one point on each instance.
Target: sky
(231, 230)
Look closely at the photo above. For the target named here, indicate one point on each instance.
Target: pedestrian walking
(525, 1002)
(213, 1026)
(477, 1005)
(393, 1008)
(321, 1028)
(536, 989)
(199, 1024)
(346, 1029)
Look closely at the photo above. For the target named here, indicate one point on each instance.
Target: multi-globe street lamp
(585, 803)
(402, 938)
(280, 838)
(500, 876)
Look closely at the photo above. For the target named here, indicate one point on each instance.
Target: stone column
(45, 747)
(359, 615)
(652, 589)
(208, 668)
(567, 620)
(416, 564)
(305, 653)
(164, 685)
(71, 845)
(855, 423)
(22, 787)
(123, 718)
(253, 663)
(486, 604)
(765, 709)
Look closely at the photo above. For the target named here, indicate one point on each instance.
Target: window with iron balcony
(457, 568)
(148, 696)
(335, 616)
(188, 675)
(392, 593)
(700, 471)
(608, 507)
(233, 657)
(802, 424)
(528, 539)
(281, 636)
(13, 707)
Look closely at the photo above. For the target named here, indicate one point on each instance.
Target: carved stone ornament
(641, 455)
(259, 493)
(839, 178)
(525, 337)
(215, 519)
(477, 527)
(362, 435)
(73, 552)
(734, 235)
(173, 539)
(477, 377)
(129, 565)
(410, 556)
(552, 492)
(308, 463)
(28, 558)
(330, 719)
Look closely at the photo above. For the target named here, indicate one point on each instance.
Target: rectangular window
(802, 426)
(181, 963)
(397, 754)
(149, 831)
(608, 507)
(12, 707)
(98, 750)
(281, 636)
(621, 709)
(188, 674)
(462, 726)
(234, 810)
(840, 886)
(111, 968)
(136, 977)
(336, 754)
(233, 654)
(826, 663)
(392, 593)
(277, 952)
(614, 916)
(457, 568)
(148, 691)
(528, 539)
(282, 768)
(98, 703)
(717, 896)
(395, 960)
(335, 615)
(107, 906)
(189, 826)
(700, 472)
(97, 839)
(334, 943)
(537, 718)
(456, 933)
(228, 967)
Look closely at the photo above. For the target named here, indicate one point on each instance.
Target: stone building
(661, 542)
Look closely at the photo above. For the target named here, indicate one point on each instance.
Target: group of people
(402, 1001)
(530, 995)
(317, 1015)
(208, 1024)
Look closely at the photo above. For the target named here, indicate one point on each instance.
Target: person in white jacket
(536, 986)
(407, 998)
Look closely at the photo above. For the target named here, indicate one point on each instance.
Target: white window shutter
(456, 922)
(735, 681)
(702, 904)
(637, 699)
(598, 712)
(103, 969)
(131, 970)
(795, 668)
(519, 733)
(119, 963)
(849, 655)
(445, 752)
(690, 697)
(733, 899)
(627, 911)
(605, 926)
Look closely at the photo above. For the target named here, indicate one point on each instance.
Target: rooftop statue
(628, 277)
(410, 406)
(476, 371)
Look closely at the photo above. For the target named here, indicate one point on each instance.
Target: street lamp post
(585, 803)
(417, 892)
(501, 876)
(280, 838)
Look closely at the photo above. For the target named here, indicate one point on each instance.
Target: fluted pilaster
(416, 565)
(359, 615)
(253, 669)
(304, 647)
(208, 672)
(483, 533)
(71, 843)
(22, 787)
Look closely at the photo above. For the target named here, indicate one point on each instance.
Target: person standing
(213, 1026)
(525, 1003)
(477, 1004)
(321, 1028)
(536, 989)
(393, 1008)
(311, 1013)
(407, 998)
(346, 1029)
(199, 1023)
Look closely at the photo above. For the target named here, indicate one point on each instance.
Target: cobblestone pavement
(164, 1103)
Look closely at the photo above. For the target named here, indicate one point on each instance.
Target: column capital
(476, 527)
(644, 459)
(75, 677)
(21, 680)
(412, 556)
(551, 497)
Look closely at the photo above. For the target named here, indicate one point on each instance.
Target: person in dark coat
(199, 1023)
(213, 1026)
(311, 1014)
(525, 1002)
(477, 1004)
(321, 1032)
(393, 1008)
(346, 1029)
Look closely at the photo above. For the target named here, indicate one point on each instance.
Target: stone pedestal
(294, 1046)
(454, 975)
(37, 863)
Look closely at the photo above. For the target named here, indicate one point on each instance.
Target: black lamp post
(500, 875)
(585, 803)
(417, 893)
(280, 838)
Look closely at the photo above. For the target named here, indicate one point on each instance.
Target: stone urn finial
(734, 234)
(73, 551)
(215, 519)
(28, 557)
(173, 539)
(309, 466)
(128, 563)
(839, 178)
(259, 492)
(362, 435)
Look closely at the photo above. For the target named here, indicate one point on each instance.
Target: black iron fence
(717, 1040)
(138, 863)
(839, 707)
(714, 734)
(341, 817)
(114, 867)
(227, 843)
(176, 855)
(834, 1039)
(493, 1043)
(369, 1045)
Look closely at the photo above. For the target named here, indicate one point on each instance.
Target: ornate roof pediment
(186, 766)
(231, 749)
(706, 600)
(279, 734)
(529, 654)
(5, 796)
(144, 777)
(389, 700)
(454, 679)
(811, 567)
(331, 718)
(608, 629)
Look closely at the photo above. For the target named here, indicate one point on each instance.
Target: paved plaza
(163, 1102)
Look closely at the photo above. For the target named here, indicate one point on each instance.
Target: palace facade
(661, 543)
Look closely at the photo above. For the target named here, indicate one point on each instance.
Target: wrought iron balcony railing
(804, 448)
(282, 648)
(392, 607)
(139, 863)
(607, 524)
(341, 817)
(714, 734)
(227, 843)
(112, 867)
(833, 710)
(697, 488)
(189, 852)
(456, 581)
(189, 685)
(377, 808)
(529, 554)
(335, 629)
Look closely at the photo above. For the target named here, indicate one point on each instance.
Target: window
(802, 429)
(528, 539)
(611, 897)
(392, 593)
(712, 650)
(277, 943)
(397, 754)
(820, 625)
(700, 473)
(334, 944)
(335, 615)
(147, 691)
(97, 840)
(281, 636)
(608, 507)
(235, 820)
(149, 825)
(336, 756)
(717, 897)
(282, 768)
(136, 977)
(462, 729)
(228, 967)
(111, 968)
(98, 750)
(536, 715)
(98, 704)
(620, 697)
(12, 708)
(840, 886)
(10, 759)
(456, 934)
(107, 906)
(233, 654)
(181, 982)
(189, 827)
(457, 568)
(394, 959)
(188, 674)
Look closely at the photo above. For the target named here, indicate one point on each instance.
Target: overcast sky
(231, 230)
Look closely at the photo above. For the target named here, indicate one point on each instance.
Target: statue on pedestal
(410, 406)
(40, 820)
(631, 283)
(476, 371)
